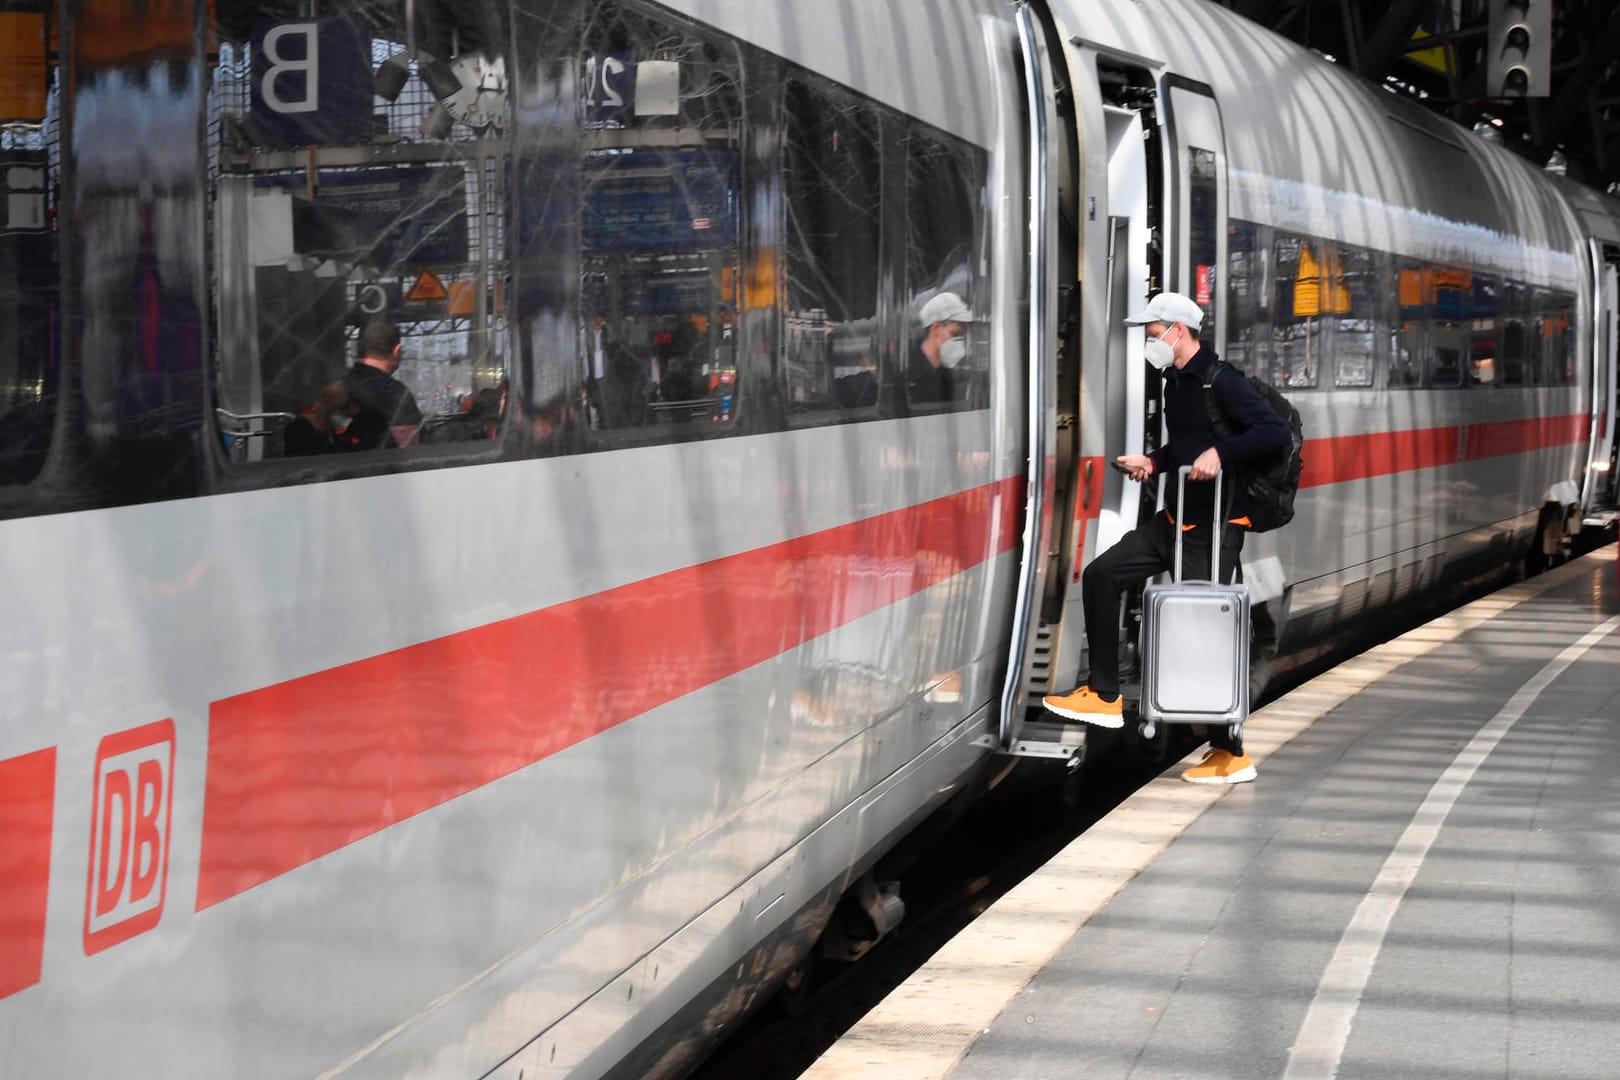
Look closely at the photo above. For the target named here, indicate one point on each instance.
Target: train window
(833, 169)
(1353, 287)
(1449, 292)
(1408, 344)
(1512, 348)
(1204, 216)
(29, 301)
(1484, 302)
(1246, 333)
(945, 358)
(1297, 316)
(361, 267)
(1553, 326)
(661, 110)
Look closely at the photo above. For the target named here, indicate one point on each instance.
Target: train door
(1031, 111)
(1117, 159)
(1602, 495)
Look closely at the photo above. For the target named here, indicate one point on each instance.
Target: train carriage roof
(925, 59)
(1313, 147)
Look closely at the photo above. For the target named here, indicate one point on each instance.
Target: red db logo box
(129, 835)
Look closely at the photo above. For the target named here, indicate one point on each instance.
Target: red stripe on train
(302, 768)
(27, 807)
(1363, 457)
(1344, 458)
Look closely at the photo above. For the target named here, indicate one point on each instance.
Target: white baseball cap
(945, 307)
(1167, 308)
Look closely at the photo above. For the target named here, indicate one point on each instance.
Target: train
(554, 735)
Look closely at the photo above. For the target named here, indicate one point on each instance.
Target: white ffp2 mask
(1158, 352)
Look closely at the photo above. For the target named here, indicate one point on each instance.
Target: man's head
(944, 320)
(379, 345)
(1170, 321)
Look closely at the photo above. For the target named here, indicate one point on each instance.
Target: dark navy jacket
(1257, 430)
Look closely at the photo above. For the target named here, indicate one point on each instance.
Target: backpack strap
(1212, 406)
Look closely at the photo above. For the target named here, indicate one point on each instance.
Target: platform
(1423, 883)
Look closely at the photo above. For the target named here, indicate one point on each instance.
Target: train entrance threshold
(1424, 881)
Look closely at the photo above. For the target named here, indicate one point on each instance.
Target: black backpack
(1274, 479)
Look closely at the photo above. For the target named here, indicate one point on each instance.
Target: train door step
(1056, 738)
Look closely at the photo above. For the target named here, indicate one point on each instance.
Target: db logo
(129, 835)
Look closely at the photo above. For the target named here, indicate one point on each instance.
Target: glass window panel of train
(358, 161)
(1247, 333)
(661, 113)
(30, 168)
(1513, 346)
(1355, 298)
(1553, 325)
(832, 344)
(944, 180)
(1408, 339)
(1297, 322)
(1450, 298)
(1484, 306)
(1202, 249)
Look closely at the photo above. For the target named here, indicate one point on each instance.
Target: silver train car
(547, 734)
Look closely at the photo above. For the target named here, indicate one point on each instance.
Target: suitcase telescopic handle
(1181, 515)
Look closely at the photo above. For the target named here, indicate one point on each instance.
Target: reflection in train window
(29, 303)
(832, 165)
(1354, 284)
(1204, 214)
(944, 364)
(1553, 326)
(1450, 291)
(1297, 315)
(1511, 345)
(1246, 309)
(1410, 338)
(662, 120)
(383, 205)
(1483, 301)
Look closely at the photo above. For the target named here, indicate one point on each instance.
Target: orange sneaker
(1221, 767)
(1082, 704)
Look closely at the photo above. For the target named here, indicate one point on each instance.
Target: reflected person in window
(322, 427)
(939, 348)
(388, 415)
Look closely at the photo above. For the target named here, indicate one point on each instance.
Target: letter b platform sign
(311, 83)
(129, 835)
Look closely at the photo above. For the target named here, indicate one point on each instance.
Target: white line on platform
(927, 1024)
(1319, 1047)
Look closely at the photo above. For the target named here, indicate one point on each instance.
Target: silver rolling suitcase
(1195, 642)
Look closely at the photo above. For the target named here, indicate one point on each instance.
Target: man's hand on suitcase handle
(1207, 465)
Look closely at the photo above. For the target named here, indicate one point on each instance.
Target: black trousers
(1147, 550)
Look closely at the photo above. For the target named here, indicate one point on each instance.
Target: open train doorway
(1601, 500)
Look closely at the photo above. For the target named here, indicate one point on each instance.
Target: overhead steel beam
(1389, 39)
(1571, 101)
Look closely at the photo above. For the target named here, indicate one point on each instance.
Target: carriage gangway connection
(1423, 883)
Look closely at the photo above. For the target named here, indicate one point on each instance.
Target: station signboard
(649, 202)
(387, 216)
(311, 83)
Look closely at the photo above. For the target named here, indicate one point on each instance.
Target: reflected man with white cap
(1172, 322)
(941, 347)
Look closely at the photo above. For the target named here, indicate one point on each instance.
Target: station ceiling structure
(1438, 52)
